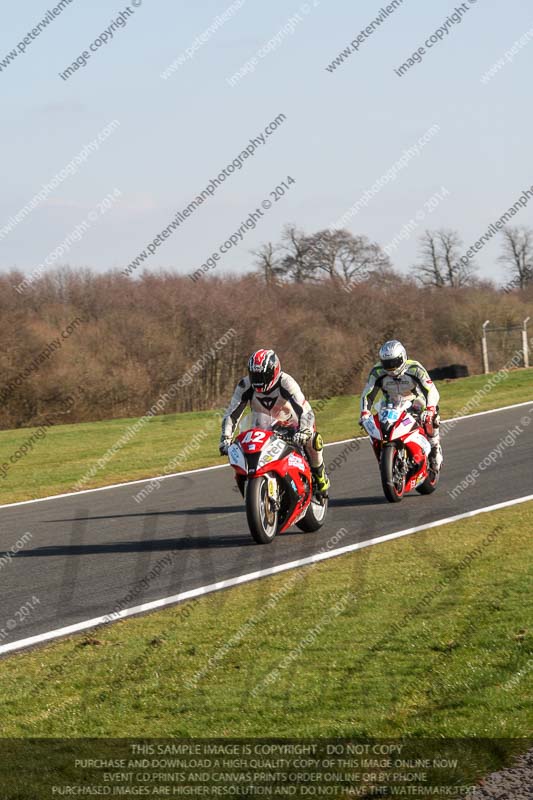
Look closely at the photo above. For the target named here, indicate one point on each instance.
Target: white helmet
(393, 357)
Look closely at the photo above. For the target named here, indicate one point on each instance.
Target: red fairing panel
(254, 440)
(415, 450)
(292, 467)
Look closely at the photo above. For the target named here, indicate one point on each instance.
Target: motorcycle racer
(397, 376)
(266, 387)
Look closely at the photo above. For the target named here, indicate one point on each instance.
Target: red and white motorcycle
(274, 477)
(402, 449)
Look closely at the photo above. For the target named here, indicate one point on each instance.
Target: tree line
(344, 258)
(81, 346)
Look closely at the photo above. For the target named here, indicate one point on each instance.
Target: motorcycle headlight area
(271, 452)
(389, 415)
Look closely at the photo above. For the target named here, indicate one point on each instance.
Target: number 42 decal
(254, 436)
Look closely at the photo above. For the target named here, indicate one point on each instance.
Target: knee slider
(317, 442)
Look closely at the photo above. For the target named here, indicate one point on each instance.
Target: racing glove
(364, 416)
(225, 442)
(302, 437)
(428, 415)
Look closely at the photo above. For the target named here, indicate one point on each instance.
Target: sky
(342, 129)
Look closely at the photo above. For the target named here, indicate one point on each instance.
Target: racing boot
(321, 479)
(435, 456)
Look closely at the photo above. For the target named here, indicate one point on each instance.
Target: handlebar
(284, 433)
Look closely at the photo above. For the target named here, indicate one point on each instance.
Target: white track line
(251, 576)
(225, 466)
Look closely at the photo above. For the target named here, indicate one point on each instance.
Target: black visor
(392, 363)
(260, 380)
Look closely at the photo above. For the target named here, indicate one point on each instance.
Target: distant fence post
(525, 343)
(484, 347)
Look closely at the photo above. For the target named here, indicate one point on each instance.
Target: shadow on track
(188, 512)
(343, 502)
(196, 543)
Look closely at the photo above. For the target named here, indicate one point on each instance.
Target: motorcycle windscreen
(389, 414)
(255, 432)
(257, 419)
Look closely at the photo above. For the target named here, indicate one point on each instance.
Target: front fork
(272, 490)
(402, 461)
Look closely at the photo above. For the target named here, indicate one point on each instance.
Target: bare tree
(517, 254)
(268, 262)
(338, 255)
(296, 263)
(451, 247)
(441, 260)
(344, 257)
(428, 269)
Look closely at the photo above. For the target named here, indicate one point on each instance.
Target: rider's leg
(314, 450)
(435, 456)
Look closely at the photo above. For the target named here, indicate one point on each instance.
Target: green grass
(63, 457)
(383, 662)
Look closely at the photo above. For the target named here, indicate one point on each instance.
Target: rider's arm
(290, 390)
(241, 397)
(429, 390)
(370, 391)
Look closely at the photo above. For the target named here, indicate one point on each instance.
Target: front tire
(392, 479)
(314, 517)
(263, 518)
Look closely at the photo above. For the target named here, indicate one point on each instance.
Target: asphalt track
(92, 552)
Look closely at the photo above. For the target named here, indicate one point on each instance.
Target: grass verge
(426, 636)
(66, 454)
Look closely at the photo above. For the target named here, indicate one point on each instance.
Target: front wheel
(392, 474)
(315, 516)
(261, 511)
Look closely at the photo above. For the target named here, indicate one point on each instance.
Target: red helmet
(264, 370)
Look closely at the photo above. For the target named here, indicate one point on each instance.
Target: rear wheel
(261, 511)
(315, 516)
(430, 484)
(392, 474)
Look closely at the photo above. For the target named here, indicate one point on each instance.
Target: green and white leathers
(413, 383)
(397, 376)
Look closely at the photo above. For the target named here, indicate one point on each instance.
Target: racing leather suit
(285, 402)
(414, 384)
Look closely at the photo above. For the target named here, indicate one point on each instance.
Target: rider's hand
(225, 442)
(363, 418)
(417, 406)
(302, 437)
(428, 415)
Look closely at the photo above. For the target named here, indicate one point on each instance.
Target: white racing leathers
(414, 384)
(285, 402)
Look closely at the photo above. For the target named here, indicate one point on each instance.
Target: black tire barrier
(445, 373)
